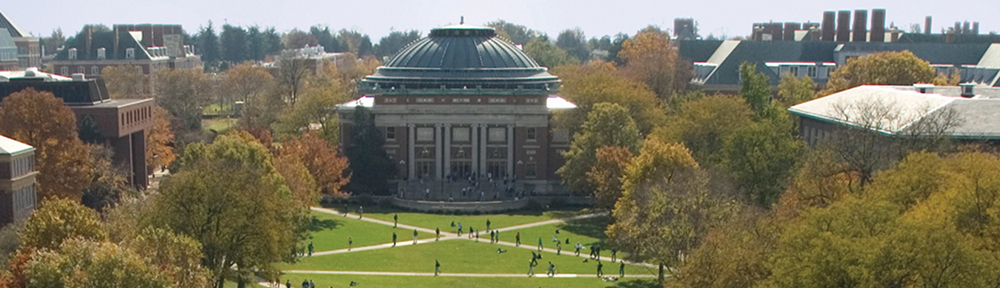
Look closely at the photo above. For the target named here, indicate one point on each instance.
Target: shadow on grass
(376, 209)
(635, 283)
(592, 227)
(325, 224)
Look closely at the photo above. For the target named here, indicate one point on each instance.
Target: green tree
(756, 89)
(883, 68)
(41, 120)
(665, 208)
(760, 159)
(108, 182)
(519, 34)
(705, 123)
(606, 175)
(234, 44)
(87, 263)
(575, 43)
(608, 124)
(229, 197)
(370, 166)
(395, 41)
(89, 132)
(598, 82)
(793, 90)
(58, 220)
(183, 92)
(209, 45)
(546, 54)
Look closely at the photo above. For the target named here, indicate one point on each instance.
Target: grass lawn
(443, 281)
(214, 109)
(330, 232)
(456, 256)
(220, 125)
(432, 221)
(586, 231)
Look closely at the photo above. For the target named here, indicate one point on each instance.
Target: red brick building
(465, 102)
(148, 46)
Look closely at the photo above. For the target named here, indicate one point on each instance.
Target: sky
(379, 17)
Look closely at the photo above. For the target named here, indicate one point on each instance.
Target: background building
(28, 50)
(121, 122)
(17, 180)
(147, 46)
(463, 103)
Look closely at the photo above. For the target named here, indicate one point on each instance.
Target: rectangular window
(460, 134)
(95, 71)
(81, 70)
(130, 53)
(530, 169)
(532, 134)
(812, 71)
(531, 100)
(425, 134)
(389, 100)
(101, 53)
(64, 71)
(390, 133)
(72, 53)
(497, 134)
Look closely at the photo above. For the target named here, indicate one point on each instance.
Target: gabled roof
(106, 40)
(10, 146)
(728, 55)
(12, 28)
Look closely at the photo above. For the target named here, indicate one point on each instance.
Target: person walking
(350, 243)
(540, 244)
(614, 254)
(578, 247)
(597, 252)
(305, 283)
(621, 270)
(600, 269)
(558, 248)
(395, 220)
(361, 212)
(491, 237)
(393, 239)
(517, 239)
(531, 267)
(437, 267)
(310, 248)
(488, 225)
(345, 209)
(459, 228)
(552, 270)
(312, 284)
(477, 236)
(437, 233)
(288, 283)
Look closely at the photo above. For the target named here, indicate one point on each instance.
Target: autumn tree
(88, 263)
(41, 120)
(126, 81)
(794, 90)
(665, 208)
(370, 166)
(705, 123)
(882, 68)
(108, 181)
(297, 39)
(651, 59)
(159, 140)
(317, 104)
(606, 175)
(322, 161)
(734, 254)
(229, 197)
(608, 124)
(547, 54)
(183, 92)
(253, 85)
(291, 77)
(598, 82)
(58, 220)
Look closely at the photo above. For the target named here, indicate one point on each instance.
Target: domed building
(466, 104)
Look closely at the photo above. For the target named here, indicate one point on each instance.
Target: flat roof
(10, 146)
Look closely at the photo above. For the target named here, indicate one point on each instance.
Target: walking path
(451, 274)
(387, 223)
(553, 221)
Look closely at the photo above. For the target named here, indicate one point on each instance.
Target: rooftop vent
(79, 77)
(968, 90)
(31, 72)
(924, 87)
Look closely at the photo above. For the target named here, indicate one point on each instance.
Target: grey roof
(976, 116)
(10, 146)
(12, 28)
(457, 58)
(730, 54)
(106, 40)
(935, 53)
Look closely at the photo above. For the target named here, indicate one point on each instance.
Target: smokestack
(776, 31)
(90, 38)
(860, 28)
(878, 25)
(927, 25)
(758, 32)
(843, 26)
(958, 27)
(829, 18)
(975, 28)
(965, 28)
(790, 28)
(949, 36)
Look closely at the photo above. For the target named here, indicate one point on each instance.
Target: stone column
(410, 165)
(447, 149)
(474, 136)
(437, 151)
(510, 150)
(485, 129)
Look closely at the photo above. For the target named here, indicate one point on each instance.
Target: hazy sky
(378, 17)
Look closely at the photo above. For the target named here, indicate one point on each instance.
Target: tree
(317, 105)
(41, 120)
(234, 44)
(108, 182)
(321, 161)
(370, 166)
(760, 159)
(229, 197)
(250, 84)
(734, 254)
(883, 68)
(297, 39)
(756, 89)
(159, 140)
(183, 92)
(606, 175)
(52, 43)
(650, 58)
(598, 82)
(575, 43)
(125, 81)
(608, 124)
(616, 48)
(88, 263)
(793, 90)
(88, 130)
(548, 55)
(58, 220)
(257, 45)
(355, 42)
(291, 77)
(519, 34)
(704, 124)
(395, 41)
(209, 44)
(665, 208)
(303, 186)
(325, 38)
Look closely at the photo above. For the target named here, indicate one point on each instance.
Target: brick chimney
(829, 18)
(843, 26)
(927, 25)
(860, 28)
(878, 25)
(975, 28)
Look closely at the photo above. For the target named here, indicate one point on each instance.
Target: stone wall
(461, 207)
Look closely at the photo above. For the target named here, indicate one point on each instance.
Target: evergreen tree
(89, 132)
(370, 166)
(234, 43)
(209, 44)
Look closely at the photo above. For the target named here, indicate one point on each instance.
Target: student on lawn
(477, 236)
(345, 211)
(614, 254)
(310, 248)
(500, 250)
(531, 268)
(621, 270)
(540, 244)
(437, 232)
(393, 239)
(350, 243)
(414, 236)
(491, 236)
(361, 212)
(488, 224)
(597, 252)
(395, 220)
(459, 228)
(305, 283)
(578, 247)
(517, 238)
(600, 269)
(437, 267)
(558, 248)
(552, 270)
(288, 283)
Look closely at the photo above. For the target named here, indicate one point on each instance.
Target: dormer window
(130, 53)
(72, 53)
(101, 53)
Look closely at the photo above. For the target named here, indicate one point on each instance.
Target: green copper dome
(456, 59)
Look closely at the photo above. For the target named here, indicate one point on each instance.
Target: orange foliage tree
(159, 138)
(322, 160)
(650, 58)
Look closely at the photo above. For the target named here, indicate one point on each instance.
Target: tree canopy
(608, 124)
(882, 68)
